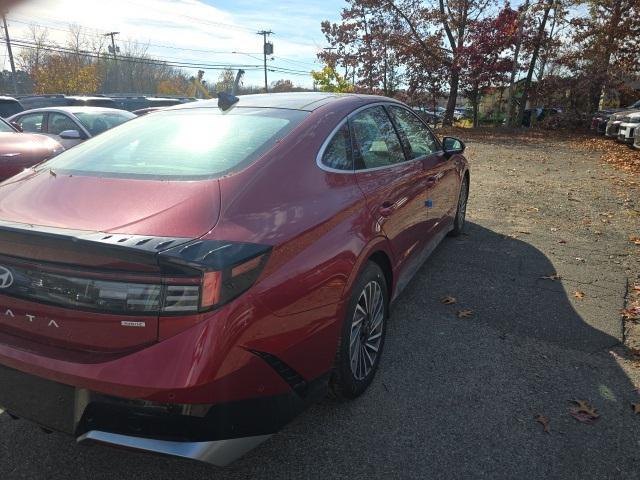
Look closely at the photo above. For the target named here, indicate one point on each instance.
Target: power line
(294, 62)
(130, 59)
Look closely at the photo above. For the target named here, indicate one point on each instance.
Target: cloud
(188, 25)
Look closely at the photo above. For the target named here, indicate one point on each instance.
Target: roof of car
(86, 97)
(74, 109)
(307, 101)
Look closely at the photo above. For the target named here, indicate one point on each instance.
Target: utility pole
(113, 48)
(13, 65)
(267, 49)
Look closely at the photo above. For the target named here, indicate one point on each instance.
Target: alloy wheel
(366, 330)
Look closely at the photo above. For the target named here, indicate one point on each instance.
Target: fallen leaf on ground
(631, 313)
(544, 421)
(635, 240)
(465, 313)
(583, 412)
(449, 300)
(636, 408)
(562, 241)
(554, 277)
(578, 294)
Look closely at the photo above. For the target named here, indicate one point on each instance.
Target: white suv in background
(628, 126)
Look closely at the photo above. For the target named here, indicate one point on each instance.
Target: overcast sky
(177, 29)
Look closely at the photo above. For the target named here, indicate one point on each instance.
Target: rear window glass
(180, 144)
(9, 108)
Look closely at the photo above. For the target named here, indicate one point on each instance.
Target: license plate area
(47, 403)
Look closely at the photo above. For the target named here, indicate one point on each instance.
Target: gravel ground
(458, 398)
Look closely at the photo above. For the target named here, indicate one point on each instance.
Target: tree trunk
(475, 96)
(596, 90)
(532, 65)
(511, 108)
(453, 96)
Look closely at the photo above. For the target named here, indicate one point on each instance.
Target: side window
(31, 123)
(375, 140)
(417, 138)
(338, 152)
(58, 123)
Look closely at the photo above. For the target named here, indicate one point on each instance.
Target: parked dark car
(87, 101)
(71, 125)
(22, 150)
(30, 102)
(190, 281)
(9, 106)
(139, 102)
(146, 111)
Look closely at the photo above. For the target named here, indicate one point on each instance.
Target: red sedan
(22, 150)
(188, 282)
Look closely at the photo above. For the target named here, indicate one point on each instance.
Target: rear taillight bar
(203, 275)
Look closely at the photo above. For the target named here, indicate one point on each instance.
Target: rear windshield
(194, 143)
(9, 108)
(98, 122)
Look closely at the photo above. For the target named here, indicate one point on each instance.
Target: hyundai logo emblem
(6, 277)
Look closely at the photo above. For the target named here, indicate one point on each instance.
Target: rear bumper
(216, 434)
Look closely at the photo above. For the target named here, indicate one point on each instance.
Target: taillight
(196, 277)
(227, 270)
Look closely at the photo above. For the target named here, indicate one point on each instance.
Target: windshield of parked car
(98, 122)
(180, 144)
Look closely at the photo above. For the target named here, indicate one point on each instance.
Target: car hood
(114, 205)
(27, 145)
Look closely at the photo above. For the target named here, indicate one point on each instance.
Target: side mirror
(17, 126)
(70, 135)
(452, 145)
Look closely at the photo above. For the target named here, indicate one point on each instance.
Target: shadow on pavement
(455, 398)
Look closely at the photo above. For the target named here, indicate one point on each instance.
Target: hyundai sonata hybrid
(188, 282)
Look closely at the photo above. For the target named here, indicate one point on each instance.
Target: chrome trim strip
(218, 452)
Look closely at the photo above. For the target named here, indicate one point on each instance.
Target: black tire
(461, 213)
(346, 383)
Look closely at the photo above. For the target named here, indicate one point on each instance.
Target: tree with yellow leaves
(329, 80)
(57, 75)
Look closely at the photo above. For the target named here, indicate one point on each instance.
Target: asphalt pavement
(459, 397)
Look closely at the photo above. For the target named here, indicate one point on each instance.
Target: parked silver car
(628, 126)
(70, 125)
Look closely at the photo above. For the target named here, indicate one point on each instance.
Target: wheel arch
(379, 252)
(380, 258)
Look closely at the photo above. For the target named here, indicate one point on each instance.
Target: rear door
(391, 184)
(439, 180)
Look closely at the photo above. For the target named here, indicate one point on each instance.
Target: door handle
(434, 178)
(386, 209)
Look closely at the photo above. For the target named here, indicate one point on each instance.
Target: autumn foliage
(577, 55)
(58, 75)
